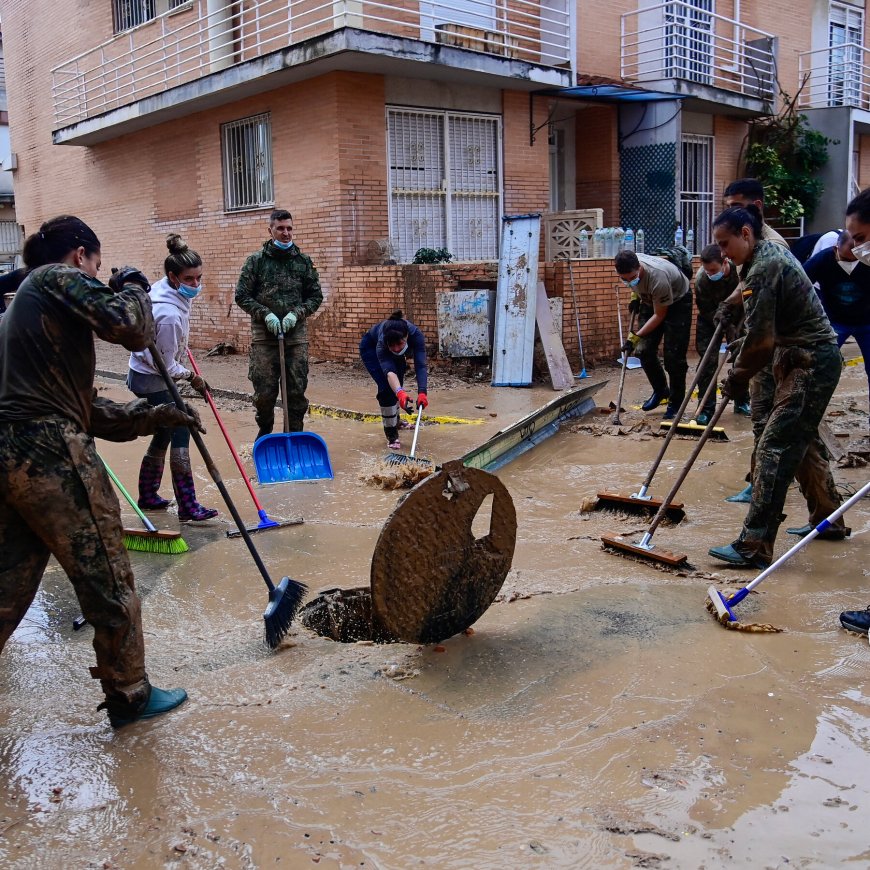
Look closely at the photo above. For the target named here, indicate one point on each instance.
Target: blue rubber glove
(272, 324)
(288, 322)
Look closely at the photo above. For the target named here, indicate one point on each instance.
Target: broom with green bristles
(151, 539)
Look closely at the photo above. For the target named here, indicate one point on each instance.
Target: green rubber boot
(161, 701)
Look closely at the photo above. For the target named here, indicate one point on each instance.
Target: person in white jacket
(171, 298)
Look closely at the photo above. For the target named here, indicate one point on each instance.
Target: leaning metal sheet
(431, 578)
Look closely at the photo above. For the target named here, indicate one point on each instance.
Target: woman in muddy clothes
(171, 299)
(384, 350)
(785, 324)
(55, 496)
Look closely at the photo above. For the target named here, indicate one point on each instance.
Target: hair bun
(397, 315)
(176, 244)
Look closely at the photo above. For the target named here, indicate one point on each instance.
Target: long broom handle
(576, 314)
(624, 365)
(711, 387)
(662, 511)
(284, 407)
(714, 345)
(226, 436)
(209, 464)
(149, 526)
(416, 432)
(737, 597)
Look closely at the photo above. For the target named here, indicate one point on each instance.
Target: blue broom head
(284, 600)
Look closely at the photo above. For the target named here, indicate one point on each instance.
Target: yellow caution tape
(855, 362)
(362, 417)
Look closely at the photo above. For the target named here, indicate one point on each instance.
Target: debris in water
(389, 476)
(733, 625)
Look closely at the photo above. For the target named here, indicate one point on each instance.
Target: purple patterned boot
(150, 475)
(189, 509)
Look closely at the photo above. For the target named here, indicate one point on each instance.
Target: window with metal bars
(445, 183)
(845, 40)
(696, 187)
(246, 153)
(131, 13)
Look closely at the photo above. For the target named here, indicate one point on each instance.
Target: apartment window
(132, 13)
(445, 183)
(689, 40)
(246, 148)
(845, 41)
(696, 187)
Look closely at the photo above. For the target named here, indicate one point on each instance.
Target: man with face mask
(663, 302)
(280, 288)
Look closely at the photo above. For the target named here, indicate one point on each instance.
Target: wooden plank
(833, 446)
(561, 375)
(516, 298)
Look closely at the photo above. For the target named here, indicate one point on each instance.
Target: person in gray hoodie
(171, 298)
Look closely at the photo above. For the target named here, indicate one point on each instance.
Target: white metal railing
(182, 45)
(836, 76)
(10, 237)
(680, 40)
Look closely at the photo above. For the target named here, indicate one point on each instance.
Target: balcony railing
(838, 76)
(680, 41)
(183, 45)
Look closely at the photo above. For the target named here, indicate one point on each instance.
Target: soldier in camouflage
(785, 325)
(280, 289)
(55, 496)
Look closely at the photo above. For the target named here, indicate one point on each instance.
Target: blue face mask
(284, 246)
(717, 277)
(401, 350)
(189, 292)
(633, 283)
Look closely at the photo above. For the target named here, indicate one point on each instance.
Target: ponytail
(56, 238)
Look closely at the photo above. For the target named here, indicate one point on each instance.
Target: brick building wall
(597, 160)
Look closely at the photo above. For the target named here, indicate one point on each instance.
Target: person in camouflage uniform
(55, 496)
(716, 280)
(786, 326)
(279, 287)
(662, 299)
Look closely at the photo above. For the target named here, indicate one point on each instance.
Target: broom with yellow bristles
(150, 539)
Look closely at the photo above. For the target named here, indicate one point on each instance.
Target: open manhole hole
(463, 527)
(344, 615)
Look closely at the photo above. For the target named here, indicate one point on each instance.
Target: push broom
(641, 501)
(152, 539)
(723, 605)
(644, 548)
(615, 419)
(285, 598)
(265, 522)
(583, 373)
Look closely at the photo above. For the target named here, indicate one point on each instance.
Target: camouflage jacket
(47, 356)
(277, 282)
(782, 309)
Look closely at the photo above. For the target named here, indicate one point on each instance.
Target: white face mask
(847, 265)
(862, 253)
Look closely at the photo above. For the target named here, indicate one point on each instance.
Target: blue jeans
(861, 334)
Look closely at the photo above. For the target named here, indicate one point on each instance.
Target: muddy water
(597, 717)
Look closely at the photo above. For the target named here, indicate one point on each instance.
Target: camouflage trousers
(788, 403)
(56, 499)
(264, 373)
(675, 330)
(704, 331)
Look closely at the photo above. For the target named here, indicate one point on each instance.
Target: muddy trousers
(675, 330)
(56, 499)
(704, 330)
(386, 398)
(813, 473)
(804, 381)
(264, 373)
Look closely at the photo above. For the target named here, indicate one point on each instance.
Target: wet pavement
(597, 716)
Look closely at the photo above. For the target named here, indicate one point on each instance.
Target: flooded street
(597, 715)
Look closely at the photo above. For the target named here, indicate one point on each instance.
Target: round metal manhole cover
(432, 577)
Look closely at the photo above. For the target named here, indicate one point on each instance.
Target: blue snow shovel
(292, 456)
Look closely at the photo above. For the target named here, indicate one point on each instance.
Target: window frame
(261, 123)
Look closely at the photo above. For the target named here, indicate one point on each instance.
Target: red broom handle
(226, 436)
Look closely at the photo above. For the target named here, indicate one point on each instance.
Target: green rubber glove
(288, 322)
(272, 324)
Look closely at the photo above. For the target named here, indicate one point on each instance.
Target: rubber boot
(159, 701)
(656, 399)
(150, 475)
(742, 497)
(392, 433)
(189, 509)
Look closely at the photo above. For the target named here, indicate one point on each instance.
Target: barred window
(246, 147)
(131, 13)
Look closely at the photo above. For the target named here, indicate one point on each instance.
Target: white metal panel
(463, 323)
(514, 338)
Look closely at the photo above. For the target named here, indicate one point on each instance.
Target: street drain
(344, 615)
